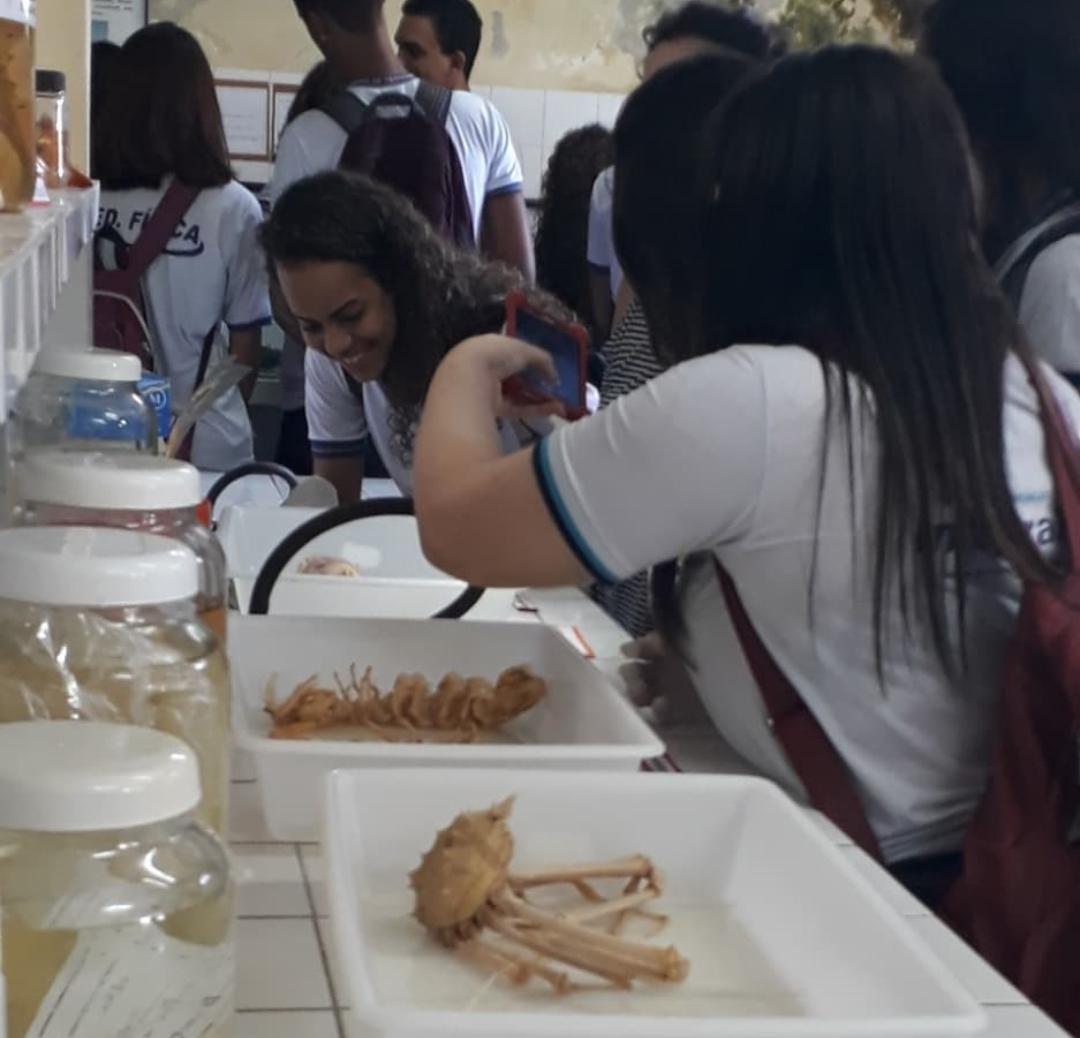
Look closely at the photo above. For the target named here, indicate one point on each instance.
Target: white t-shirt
(601, 249)
(313, 143)
(1050, 305)
(339, 423)
(212, 273)
(722, 456)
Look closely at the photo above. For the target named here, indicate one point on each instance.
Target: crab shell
(469, 862)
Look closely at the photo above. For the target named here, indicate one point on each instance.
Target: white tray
(785, 938)
(583, 724)
(386, 547)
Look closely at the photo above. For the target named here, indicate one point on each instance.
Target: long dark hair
(841, 217)
(161, 115)
(562, 234)
(441, 296)
(656, 204)
(1014, 68)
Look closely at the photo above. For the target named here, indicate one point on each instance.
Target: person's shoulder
(1056, 267)
(473, 110)
(309, 130)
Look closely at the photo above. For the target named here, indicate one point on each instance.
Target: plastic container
(100, 625)
(786, 939)
(131, 492)
(582, 724)
(83, 399)
(18, 162)
(113, 895)
(52, 125)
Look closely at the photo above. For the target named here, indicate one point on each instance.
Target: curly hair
(562, 234)
(441, 295)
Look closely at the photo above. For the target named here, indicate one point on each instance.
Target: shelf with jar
(41, 257)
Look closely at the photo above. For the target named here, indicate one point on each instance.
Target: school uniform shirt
(601, 247)
(1050, 306)
(722, 457)
(313, 143)
(212, 273)
(340, 421)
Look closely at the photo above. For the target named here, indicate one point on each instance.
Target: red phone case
(515, 388)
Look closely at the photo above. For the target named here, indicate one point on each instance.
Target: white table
(286, 985)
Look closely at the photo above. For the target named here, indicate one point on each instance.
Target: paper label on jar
(137, 982)
(22, 11)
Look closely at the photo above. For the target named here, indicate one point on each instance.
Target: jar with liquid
(106, 882)
(52, 128)
(18, 139)
(132, 492)
(100, 624)
(85, 399)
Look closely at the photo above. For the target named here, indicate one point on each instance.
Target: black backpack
(1014, 266)
(402, 142)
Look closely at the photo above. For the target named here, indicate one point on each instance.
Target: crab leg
(602, 909)
(628, 868)
(518, 970)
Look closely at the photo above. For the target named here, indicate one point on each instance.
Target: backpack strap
(347, 110)
(807, 747)
(435, 101)
(1013, 267)
(158, 230)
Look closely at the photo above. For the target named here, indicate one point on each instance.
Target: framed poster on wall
(116, 20)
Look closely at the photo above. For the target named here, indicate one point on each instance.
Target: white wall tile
(523, 111)
(609, 106)
(532, 163)
(566, 110)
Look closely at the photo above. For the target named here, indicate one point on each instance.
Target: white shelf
(39, 251)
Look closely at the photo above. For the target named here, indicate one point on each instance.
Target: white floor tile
(984, 983)
(279, 965)
(268, 881)
(898, 898)
(1020, 1022)
(246, 823)
(313, 868)
(286, 1025)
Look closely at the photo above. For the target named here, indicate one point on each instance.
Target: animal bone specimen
(470, 899)
(458, 710)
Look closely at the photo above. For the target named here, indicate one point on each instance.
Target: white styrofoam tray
(786, 939)
(583, 723)
(384, 547)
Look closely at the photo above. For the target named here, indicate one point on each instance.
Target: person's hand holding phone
(497, 359)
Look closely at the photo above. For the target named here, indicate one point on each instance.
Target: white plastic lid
(88, 365)
(95, 567)
(82, 776)
(108, 481)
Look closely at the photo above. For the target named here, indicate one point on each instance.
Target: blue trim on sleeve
(259, 322)
(338, 448)
(563, 519)
(510, 189)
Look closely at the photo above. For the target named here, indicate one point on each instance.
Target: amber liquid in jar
(18, 135)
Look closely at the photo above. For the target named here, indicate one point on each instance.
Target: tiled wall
(539, 119)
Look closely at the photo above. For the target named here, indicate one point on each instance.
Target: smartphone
(568, 345)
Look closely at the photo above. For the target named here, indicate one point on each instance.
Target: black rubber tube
(251, 468)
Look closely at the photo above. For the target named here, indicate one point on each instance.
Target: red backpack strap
(820, 768)
(1063, 454)
(158, 230)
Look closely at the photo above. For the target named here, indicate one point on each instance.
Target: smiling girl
(380, 300)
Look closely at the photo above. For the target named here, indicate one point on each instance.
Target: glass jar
(110, 890)
(84, 399)
(132, 492)
(52, 127)
(18, 161)
(100, 625)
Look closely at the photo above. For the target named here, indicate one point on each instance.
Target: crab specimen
(469, 899)
(458, 710)
(327, 566)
